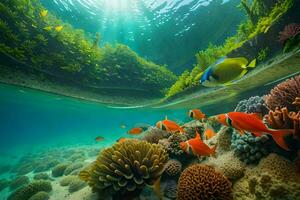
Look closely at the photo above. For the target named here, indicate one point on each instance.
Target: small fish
(58, 28)
(197, 147)
(123, 126)
(254, 124)
(209, 132)
(44, 13)
(226, 71)
(48, 28)
(99, 138)
(135, 131)
(170, 126)
(197, 114)
(122, 139)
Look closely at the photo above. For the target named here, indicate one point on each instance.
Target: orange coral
(284, 94)
(201, 182)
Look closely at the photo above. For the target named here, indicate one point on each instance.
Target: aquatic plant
(40, 196)
(262, 54)
(76, 184)
(173, 167)
(290, 36)
(254, 104)
(273, 178)
(59, 169)
(248, 148)
(41, 176)
(284, 94)
(24, 193)
(179, 85)
(125, 168)
(203, 182)
(18, 182)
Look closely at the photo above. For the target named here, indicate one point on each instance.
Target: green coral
(59, 169)
(76, 185)
(41, 176)
(31, 189)
(125, 168)
(18, 182)
(40, 196)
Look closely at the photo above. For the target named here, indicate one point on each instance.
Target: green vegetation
(261, 15)
(262, 54)
(33, 36)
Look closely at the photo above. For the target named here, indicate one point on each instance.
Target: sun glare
(117, 5)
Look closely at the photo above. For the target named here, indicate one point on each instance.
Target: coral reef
(173, 167)
(153, 135)
(170, 189)
(26, 192)
(41, 176)
(273, 178)
(254, 104)
(203, 182)
(229, 165)
(173, 146)
(40, 196)
(284, 94)
(224, 140)
(248, 148)
(4, 184)
(71, 168)
(76, 184)
(126, 167)
(18, 182)
(290, 36)
(59, 169)
(67, 180)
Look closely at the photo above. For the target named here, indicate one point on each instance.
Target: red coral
(288, 32)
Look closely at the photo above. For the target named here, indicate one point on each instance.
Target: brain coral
(273, 178)
(31, 189)
(201, 182)
(284, 94)
(126, 167)
(173, 167)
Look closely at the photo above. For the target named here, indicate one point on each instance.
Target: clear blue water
(32, 119)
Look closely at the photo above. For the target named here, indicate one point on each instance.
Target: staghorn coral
(254, 104)
(289, 32)
(26, 192)
(173, 167)
(204, 183)
(248, 148)
(18, 182)
(229, 165)
(284, 94)
(153, 135)
(40, 196)
(273, 178)
(126, 167)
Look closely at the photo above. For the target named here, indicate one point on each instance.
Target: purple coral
(289, 31)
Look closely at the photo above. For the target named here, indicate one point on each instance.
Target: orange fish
(253, 123)
(99, 138)
(170, 126)
(197, 114)
(209, 132)
(197, 147)
(135, 131)
(122, 139)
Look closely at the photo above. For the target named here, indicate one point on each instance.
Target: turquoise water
(33, 119)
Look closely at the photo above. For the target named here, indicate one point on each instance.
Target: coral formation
(26, 192)
(173, 167)
(59, 169)
(4, 184)
(76, 185)
(41, 176)
(67, 180)
(71, 168)
(284, 94)
(40, 196)
(290, 36)
(170, 189)
(248, 148)
(224, 140)
(229, 165)
(18, 182)
(273, 178)
(254, 104)
(153, 135)
(173, 147)
(126, 167)
(203, 182)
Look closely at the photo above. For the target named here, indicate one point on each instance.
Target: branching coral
(284, 94)
(202, 182)
(126, 167)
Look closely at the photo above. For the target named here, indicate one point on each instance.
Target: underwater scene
(149, 100)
